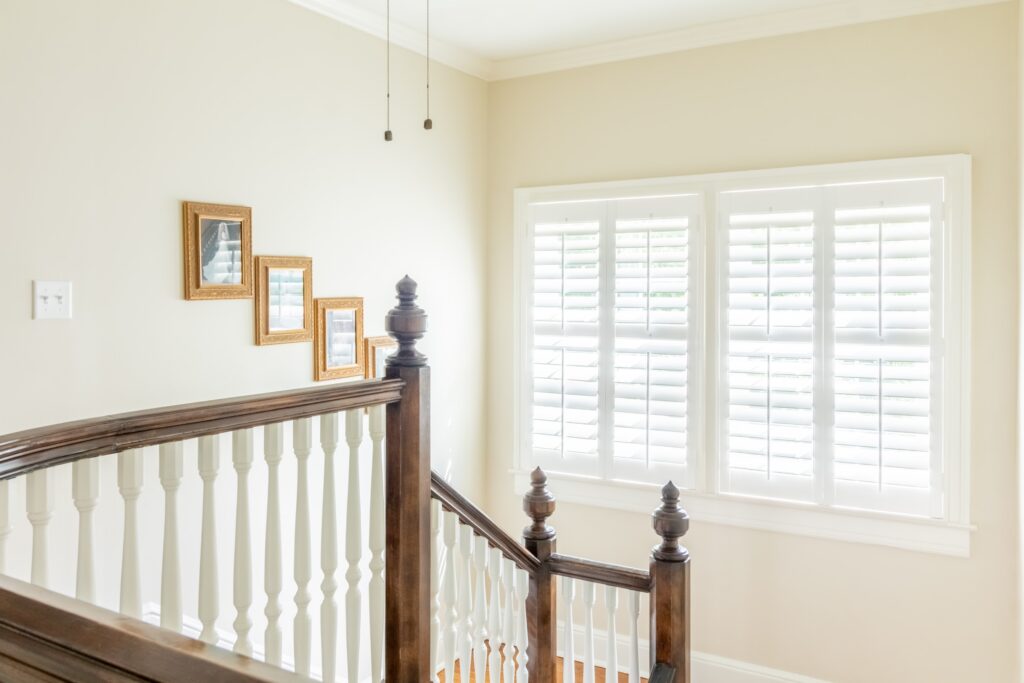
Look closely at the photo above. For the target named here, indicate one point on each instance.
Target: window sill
(855, 526)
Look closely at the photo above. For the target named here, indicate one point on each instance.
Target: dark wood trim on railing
(599, 572)
(24, 451)
(471, 515)
(45, 636)
(662, 673)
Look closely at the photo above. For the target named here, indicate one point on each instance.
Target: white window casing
(789, 346)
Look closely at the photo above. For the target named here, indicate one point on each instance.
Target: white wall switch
(51, 300)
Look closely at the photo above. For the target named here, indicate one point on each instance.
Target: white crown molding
(839, 13)
(401, 35)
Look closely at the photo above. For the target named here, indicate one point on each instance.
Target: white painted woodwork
(377, 541)
(241, 456)
(129, 483)
(589, 599)
(465, 600)
(353, 542)
(568, 595)
(611, 603)
(85, 490)
(302, 444)
(5, 522)
(494, 634)
(329, 552)
(508, 633)
(209, 463)
(634, 637)
(523, 640)
(435, 589)
(449, 612)
(170, 574)
(480, 607)
(273, 450)
(40, 509)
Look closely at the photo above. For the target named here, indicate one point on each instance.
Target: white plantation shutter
(768, 248)
(609, 324)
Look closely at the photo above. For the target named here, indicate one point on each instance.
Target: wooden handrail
(24, 451)
(48, 636)
(599, 572)
(483, 525)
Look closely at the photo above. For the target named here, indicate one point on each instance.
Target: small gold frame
(373, 347)
(196, 218)
(322, 370)
(265, 331)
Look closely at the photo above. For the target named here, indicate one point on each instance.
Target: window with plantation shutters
(796, 335)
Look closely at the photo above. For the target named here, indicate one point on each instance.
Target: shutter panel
(650, 366)
(885, 440)
(565, 329)
(768, 275)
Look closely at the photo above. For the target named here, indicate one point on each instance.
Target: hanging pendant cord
(387, 62)
(428, 123)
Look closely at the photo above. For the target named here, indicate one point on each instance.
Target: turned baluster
(129, 482)
(209, 603)
(85, 487)
(302, 444)
(353, 542)
(241, 459)
(170, 575)
(329, 437)
(407, 603)
(39, 506)
(539, 539)
(670, 587)
(273, 453)
(376, 542)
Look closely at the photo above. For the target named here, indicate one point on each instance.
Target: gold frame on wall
(193, 214)
(372, 344)
(321, 371)
(264, 335)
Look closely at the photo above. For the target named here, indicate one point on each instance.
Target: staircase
(429, 585)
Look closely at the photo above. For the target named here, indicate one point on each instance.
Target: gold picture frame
(374, 357)
(218, 251)
(282, 284)
(338, 350)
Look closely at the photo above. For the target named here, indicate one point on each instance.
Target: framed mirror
(218, 251)
(284, 299)
(338, 342)
(377, 351)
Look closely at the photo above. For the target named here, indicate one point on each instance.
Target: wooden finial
(670, 522)
(538, 504)
(406, 323)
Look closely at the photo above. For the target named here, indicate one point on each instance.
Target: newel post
(539, 539)
(670, 587)
(407, 573)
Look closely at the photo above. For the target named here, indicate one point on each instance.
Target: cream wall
(114, 111)
(933, 84)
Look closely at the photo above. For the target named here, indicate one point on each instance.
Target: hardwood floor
(599, 677)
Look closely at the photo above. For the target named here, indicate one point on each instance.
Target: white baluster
(568, 638)
(634, 637)
(435, 589)
(377, 541)
(209, 606)
(589, 598)
(5, 522)
(450, 613)
(170, 575)
(465, 588)
(85, 490)
(329, 551)
(611, 602)
(480, 607)
(494, 614)
(129, 482)
(302, 443)
(353, 542)
(241, 451)
(523, 662)
(273, 449)
(508, 625)
(40, 510)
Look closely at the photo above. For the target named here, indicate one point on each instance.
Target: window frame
(948, 535)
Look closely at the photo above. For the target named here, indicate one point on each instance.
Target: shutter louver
(768, 330)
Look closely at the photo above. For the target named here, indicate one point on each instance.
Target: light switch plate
(51, 300)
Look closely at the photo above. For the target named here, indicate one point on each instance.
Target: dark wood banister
(600, 572)
(24, 451)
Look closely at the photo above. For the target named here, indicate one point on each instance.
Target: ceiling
(497, 39)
